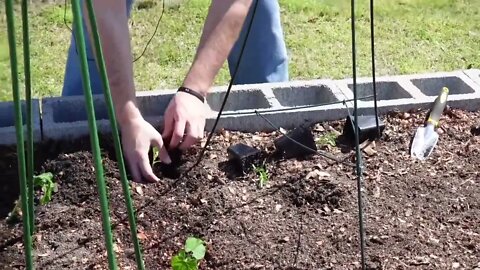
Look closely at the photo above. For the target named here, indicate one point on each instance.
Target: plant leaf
(196, 246)
(155, 155)
(45, 182)
(183, 262)
(43, 178)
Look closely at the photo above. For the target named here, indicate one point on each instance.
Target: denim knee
(72, 83)
(265, 56)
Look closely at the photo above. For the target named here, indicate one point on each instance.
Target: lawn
(411, 36)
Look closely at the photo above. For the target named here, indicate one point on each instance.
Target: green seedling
(190, 256)
(262, 173)
(16, 214)
(328, 138)
(155, 156)
(45, 182)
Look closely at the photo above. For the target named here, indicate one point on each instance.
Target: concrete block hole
(385, 91)
(7, 113)
(72, 111)
(154, 106)
(238, 100)
(68, 112)
(301, 96)
(433, 86)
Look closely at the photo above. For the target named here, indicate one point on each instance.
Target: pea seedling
(262, 173)
(189, 257)
(155, 156)
(327, 139)
(45, 182)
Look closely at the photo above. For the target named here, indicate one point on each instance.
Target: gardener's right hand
(137, 138)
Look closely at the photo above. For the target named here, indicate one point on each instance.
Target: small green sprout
(262, 173)
(189, 257)
(45, 182)
(155, 156)
(16, 214)
(327, 139)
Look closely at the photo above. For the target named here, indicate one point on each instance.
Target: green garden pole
(28, 97)
(80, 42)
(116, 137)
(27, 237)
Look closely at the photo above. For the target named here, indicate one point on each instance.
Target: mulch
(418, 214)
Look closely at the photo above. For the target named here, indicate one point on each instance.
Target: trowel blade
(423, 143)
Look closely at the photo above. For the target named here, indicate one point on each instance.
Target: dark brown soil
(419, 215)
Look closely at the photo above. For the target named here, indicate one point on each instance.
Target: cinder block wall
(285, 104)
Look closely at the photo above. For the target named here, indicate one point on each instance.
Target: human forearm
(112, 24)
(222, 28)
(138, 136)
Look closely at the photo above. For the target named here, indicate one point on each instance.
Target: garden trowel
(426, 137)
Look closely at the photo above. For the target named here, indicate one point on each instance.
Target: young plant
(190, 256)
(327, 139)
(155, 159)
(45, 182)
(262, 173)
(16, 214)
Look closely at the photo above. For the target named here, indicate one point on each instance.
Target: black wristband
(191, 92)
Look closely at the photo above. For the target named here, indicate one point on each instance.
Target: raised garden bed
(419, 215)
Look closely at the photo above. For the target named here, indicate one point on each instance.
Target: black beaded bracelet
(191, 92)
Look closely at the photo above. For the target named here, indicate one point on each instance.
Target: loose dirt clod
(288, 145)
(244, 157)
(475, 130)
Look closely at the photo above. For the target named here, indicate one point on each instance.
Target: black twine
(313, 151)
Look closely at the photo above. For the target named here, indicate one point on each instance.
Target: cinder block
(153, 106)
(293, 103)
(433, 85)
(473, 74)
(464, 92)
(289, 96)
(238, 100)
(386, 90)
(393, 93)
(66, 117)
(430, 84)
(287, 105)
(251, 122)
(422, 88)
(7, 122)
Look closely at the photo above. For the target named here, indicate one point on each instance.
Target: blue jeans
(264, 58)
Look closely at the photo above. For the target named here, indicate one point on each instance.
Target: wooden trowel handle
(438, 107)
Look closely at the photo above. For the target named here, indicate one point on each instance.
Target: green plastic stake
(27, 237)
(116, 137)
(28, 97)
(80, 42)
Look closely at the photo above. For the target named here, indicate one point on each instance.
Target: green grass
(4, 68)
(412, 36)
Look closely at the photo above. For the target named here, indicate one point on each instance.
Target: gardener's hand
(137, 138)
(184, 121)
